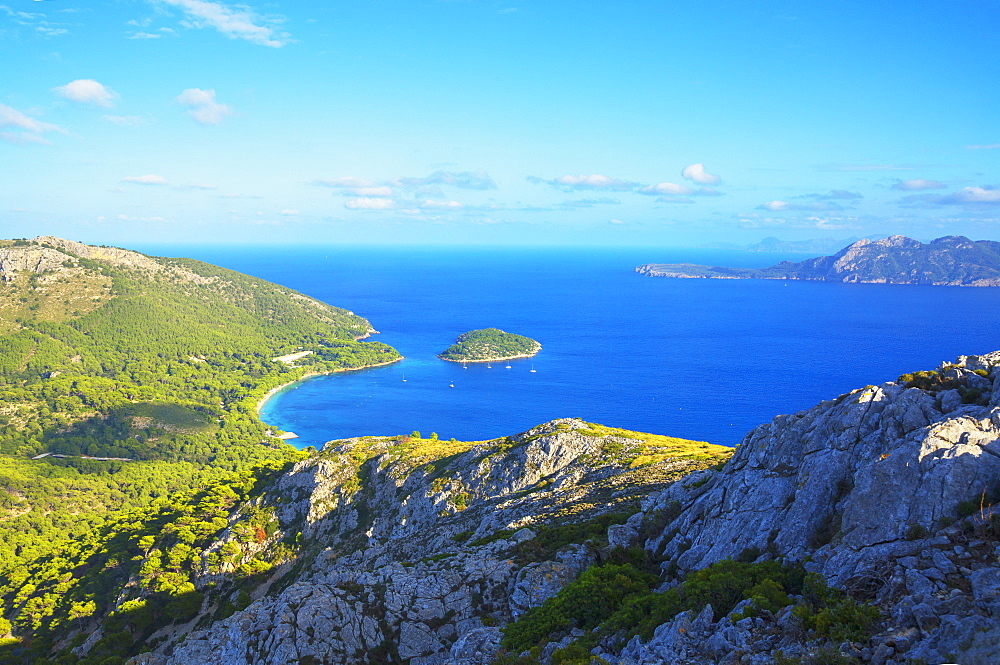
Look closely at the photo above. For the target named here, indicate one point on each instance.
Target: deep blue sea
(699, 359)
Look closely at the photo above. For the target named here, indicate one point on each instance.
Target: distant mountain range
(947, 261)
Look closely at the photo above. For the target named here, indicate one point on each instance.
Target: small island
(489, 344)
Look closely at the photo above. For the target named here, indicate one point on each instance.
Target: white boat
(532, 367)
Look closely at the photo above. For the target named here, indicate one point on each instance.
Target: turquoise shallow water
(701, 359)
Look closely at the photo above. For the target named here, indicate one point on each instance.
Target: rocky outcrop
(947, 261)
(870, 489)
(32, 259)
(51, 255)
(421, 555)
(416, 553)
(115, 256)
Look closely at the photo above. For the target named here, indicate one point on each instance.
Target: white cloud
(833, 195)
(440, 205)
(87, 91)
(667, 188)
(824, 223)
(974, 195)
(594, 181)
(991, 146)
(373, 191)
(203, 107)
(696, 173)
(37, 21)
(615, 221)
(27, 129)
(814, 205)
(917, 184)
(235, 23)
(145, 179)
(366, 203)
(480, 180)
(289, 213)
(967, 196)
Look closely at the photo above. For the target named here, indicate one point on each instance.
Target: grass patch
(652, 448)
(171, 417)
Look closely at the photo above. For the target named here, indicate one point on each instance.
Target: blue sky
(468, 121)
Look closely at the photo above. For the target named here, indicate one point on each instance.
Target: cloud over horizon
(585, 182)
(776, 206)
(988, 195)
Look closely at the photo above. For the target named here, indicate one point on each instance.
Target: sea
(692, 358)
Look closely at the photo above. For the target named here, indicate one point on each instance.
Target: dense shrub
(585, 603)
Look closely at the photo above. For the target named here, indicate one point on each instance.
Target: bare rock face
(846, 480)
(113, 255)
(867, 489)
(417, 558)
(32, 259)
(48, 254)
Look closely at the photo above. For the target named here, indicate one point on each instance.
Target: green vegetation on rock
(617, 599)
(489, 344)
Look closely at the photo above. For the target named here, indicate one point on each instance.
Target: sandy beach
(308, 375)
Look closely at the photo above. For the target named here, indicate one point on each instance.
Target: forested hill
(159, 363)
(947, 261)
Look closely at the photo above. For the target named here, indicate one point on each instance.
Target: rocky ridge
(52, 255)
(417, 554)
(947, 261)
(887, 492)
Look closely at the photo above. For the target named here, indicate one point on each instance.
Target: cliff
(884, 492)
(947, 261)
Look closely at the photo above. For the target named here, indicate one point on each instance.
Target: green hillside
(157, 363)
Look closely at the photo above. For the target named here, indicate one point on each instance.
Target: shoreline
(493, 360)
(308, 375)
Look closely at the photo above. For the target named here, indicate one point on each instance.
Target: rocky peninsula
(947, 261)
(489, 345)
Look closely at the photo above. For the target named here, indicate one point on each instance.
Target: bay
(699, 359)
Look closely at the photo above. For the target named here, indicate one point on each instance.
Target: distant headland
(489, 344)
(947, 261)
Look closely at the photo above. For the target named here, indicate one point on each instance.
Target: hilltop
(947, 261)
(155, 362)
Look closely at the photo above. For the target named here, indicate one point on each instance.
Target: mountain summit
(947, 261)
